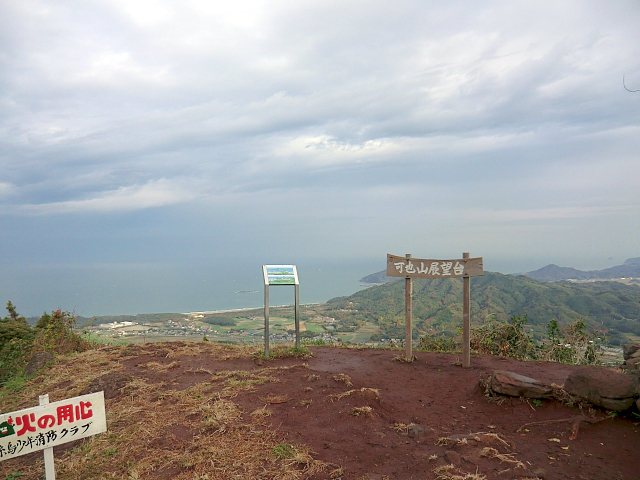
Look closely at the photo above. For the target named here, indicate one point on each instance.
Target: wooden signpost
(409, 268)
(280, 275)
(51, 424)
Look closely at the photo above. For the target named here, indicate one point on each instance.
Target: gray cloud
(506, 124)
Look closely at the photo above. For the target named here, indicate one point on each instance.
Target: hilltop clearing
(202, 410)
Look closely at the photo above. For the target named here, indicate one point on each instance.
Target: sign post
(407, 267)
(51, 424)
(280, 275)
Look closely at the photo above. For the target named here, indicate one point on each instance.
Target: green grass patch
(283, 450)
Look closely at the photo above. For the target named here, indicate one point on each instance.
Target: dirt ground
(446, 400)
(428, 419)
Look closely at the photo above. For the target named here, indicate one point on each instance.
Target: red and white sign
(45, 426)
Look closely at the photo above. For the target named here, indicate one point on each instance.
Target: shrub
(506, 339)
(572, 344)
(16, 339)
(19, 341)
(439, 344)
(54, 333)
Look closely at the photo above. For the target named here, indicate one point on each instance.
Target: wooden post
(49, 466)
(408, 291)
(466, 326)
(297, 308)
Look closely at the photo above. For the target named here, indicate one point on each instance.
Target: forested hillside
(437, 304)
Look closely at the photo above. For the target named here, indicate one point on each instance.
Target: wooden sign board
(428, 268)
(45, 426)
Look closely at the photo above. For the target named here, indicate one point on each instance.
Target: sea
(130, 289)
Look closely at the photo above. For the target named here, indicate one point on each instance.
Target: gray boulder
(631, 350)
(605, 388)
(39, 360)
(516, 385)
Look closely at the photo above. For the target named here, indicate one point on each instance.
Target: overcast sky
(194, 131)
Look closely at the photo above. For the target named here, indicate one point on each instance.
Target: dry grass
(361, 412)
(158, 367)
(195, 433)
(346, 379)
(451, 472)
(275, 399)
(489, 452)
(364, 390)
(403, 359)
(402, 428)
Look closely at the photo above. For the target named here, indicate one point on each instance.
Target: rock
(629, 349)
(516, 385)
(110, 383)
(632, 363)
(39, 360)
(607, 389)
(540, 473)
(416, 431)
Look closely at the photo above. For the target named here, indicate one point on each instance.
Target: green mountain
(553, 273)
(437, 305)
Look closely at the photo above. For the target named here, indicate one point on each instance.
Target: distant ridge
(377, 278)
(554, 273)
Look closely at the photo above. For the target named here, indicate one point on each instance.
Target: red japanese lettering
(65, 412)
(25, 421)
(85, 412)
(46, 421)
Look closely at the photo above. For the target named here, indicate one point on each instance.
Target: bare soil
(425, 420)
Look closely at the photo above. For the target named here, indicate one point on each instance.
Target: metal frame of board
(280, 275)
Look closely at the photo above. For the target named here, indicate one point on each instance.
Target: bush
(54, 333)
(506, 339)
(16, 339)
(19, 341)
(572, 344)
(439, 344)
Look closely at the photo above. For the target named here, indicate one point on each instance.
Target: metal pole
(266, 320)
(408, 291)
(466, 327)
(49, 467)
(297, 309)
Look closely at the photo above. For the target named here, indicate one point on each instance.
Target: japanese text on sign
(428, 268)
(46, 426)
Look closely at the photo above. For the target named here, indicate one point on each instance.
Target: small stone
(39, 360)
(416, 431)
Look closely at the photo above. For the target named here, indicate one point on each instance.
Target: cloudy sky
(195, 131)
